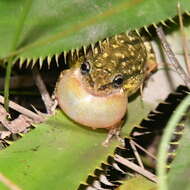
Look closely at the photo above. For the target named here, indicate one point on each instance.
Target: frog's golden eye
(118, 81)
(85, 68)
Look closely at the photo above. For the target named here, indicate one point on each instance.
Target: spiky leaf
(54, 26)
(59, 154)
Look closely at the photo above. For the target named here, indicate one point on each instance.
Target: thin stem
(162, 153)
(13, 47)
(7, 85)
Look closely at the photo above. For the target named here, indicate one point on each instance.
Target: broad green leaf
(60, 154)
(55, 26)
(137, 183)
(178, 177)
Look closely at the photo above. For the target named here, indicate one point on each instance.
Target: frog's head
(99, 77)
(119, 66)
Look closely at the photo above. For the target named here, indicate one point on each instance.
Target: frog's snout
(86, 108)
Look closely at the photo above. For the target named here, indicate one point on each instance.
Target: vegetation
(60, 154)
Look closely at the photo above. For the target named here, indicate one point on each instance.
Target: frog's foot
(152, 67)
(151, 64)
(113, 132)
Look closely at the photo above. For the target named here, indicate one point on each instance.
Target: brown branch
(24, 111)
(48, 102)
(184, 39)
(136, 168)
(18, 125)
(144, 150)
(136, 154)
(172, 57)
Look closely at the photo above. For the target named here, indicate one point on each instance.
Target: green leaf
(180, 168)
(138, 183)
(60, 154)
(55, 26)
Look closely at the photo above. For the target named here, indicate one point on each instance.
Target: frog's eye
(85, 67)
(118, 81)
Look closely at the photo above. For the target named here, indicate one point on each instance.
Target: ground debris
(17, 125)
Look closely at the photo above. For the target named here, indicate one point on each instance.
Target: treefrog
(94, 91)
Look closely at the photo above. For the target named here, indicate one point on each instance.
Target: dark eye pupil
(85, 67)
(118, 81)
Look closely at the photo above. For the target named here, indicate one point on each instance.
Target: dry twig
(4, 134)
(16, 126)
(136, 168)
(35, 117)
(184, 39)
(136, 154)
(171, 56)
(144, 150)
(48, 102)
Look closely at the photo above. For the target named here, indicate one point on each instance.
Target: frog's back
(130, 55)
(124, 55)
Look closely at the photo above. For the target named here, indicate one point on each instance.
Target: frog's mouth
(86, 106)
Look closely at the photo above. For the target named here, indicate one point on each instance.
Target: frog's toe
(113, 132)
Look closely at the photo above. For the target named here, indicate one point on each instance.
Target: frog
(94, 92)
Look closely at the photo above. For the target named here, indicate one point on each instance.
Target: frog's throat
(86, 108)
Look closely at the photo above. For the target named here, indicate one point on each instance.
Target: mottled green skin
(125, 55)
